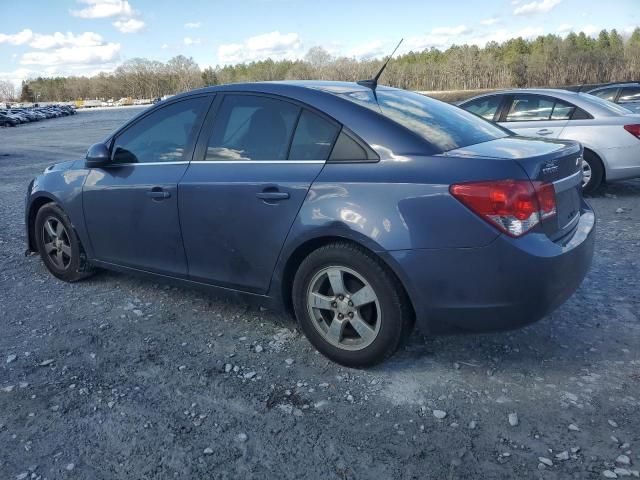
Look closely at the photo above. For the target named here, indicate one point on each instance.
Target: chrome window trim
(145, 163)
(236, 162)
(254, 162)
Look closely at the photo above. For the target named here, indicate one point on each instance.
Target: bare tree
(7, 91)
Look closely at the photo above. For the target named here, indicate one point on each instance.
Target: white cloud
(17, 38)
(273, 45)
(438, 37)
(74, 56)
(193, 25)
(449, 31)
(591, 30)
(490, 21)
(564, 28)
(368, 50)
(131, 25)
(58, 39)
(188, 41)
(104, 9)
(164, 46)
(18, 75)
(541, 6)
(502, 35)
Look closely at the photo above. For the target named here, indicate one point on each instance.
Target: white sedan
(609, 133)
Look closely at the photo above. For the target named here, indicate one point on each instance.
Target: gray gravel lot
(120, 377)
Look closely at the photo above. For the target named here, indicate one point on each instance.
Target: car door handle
(271, 195)
(158, 193)
(544, 131)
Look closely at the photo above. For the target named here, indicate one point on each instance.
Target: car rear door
(487, 106)
(252, 170)
(131, 205)
(533, 115)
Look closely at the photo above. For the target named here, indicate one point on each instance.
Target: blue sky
(47, 37)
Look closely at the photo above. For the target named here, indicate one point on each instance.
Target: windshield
(444, 126)
(612, 107)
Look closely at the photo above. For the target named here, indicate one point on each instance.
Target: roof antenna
(373, 82)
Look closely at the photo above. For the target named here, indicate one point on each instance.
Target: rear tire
(350, 306)
(593, 172)
(59, 246)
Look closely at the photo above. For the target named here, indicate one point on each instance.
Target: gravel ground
(120, 377)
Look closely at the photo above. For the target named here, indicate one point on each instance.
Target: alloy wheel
(57, 245)
(586, 173)
(344, 308)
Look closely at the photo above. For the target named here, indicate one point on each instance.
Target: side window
(162, 136)
(562, 111)
(313, 139)
(347, 149)
(526, 108)
(629, 94)
(486, 107)
(606, 94)
(252, 127)
(580, 114)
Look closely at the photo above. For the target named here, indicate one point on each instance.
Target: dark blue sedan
(360, 210)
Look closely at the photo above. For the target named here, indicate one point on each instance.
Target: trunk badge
(550, 166)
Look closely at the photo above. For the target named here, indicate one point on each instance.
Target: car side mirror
(98, 155)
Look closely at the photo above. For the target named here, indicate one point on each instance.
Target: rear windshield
(613, 108)
(444, 126)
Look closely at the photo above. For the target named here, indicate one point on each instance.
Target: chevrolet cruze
(361, 210)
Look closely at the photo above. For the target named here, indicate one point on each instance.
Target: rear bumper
(505, 285)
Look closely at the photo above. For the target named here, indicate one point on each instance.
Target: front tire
(592, 172)
(58, 245)
(350, 306)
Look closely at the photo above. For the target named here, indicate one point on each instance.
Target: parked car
(609, 133)
(7, 121)
(626, 94)
(18, 115)
(360, 211)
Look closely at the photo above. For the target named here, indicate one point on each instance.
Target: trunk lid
(558, 162)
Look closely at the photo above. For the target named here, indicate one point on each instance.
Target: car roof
(583, 100)
(615, 85)
(286, 87)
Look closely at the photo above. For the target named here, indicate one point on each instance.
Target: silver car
(626, 94)
(609, 133)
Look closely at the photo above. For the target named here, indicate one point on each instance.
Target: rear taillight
(633, 130)
(514, 206)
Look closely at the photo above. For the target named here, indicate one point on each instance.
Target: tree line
(549, 61)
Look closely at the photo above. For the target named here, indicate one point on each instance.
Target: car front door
(131, 205)
(248, 180)
(534, 115)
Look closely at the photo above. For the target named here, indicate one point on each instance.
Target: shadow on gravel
(629, 188)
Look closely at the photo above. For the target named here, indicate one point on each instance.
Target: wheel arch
(600, 158)
(35, 205)
(301, 251)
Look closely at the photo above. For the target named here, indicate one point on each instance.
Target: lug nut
(334, 304)
(350, 314)
(340, 316)
(350, 303)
